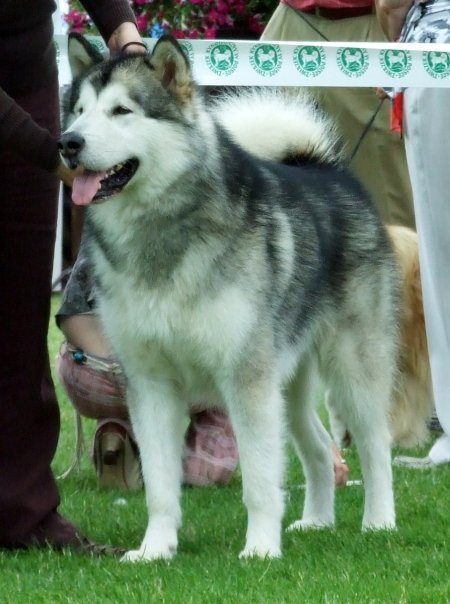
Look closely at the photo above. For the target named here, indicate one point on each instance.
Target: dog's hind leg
(361, 383)
(159, 422)
(369, 429)
(313, 446)
(256, 412)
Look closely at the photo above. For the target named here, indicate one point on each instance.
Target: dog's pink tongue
(86, 186)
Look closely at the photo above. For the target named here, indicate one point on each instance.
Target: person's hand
(340, 467)
(66, 175)
(126, 35)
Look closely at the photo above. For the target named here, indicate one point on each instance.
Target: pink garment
(210, 455)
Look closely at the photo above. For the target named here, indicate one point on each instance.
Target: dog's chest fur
(165, 310)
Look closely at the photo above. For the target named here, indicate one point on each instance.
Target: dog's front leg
(158, 419)
(256, 415)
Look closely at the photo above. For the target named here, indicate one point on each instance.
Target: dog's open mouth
(93, 187)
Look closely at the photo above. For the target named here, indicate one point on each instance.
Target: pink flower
(239, 7)
(255, 24)
(142, 22)
(210, 33)
(76, 21)
(222, 7)
(217, 18)
(212, 16)
(178, 33)
(185, 18)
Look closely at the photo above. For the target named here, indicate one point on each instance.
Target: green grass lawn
(410, 565)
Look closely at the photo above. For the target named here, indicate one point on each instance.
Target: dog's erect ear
(82, 55)
(172, 67)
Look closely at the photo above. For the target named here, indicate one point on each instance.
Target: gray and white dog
(235, 279)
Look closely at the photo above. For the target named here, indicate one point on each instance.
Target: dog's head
(126, 114)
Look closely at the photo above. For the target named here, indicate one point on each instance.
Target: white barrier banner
(259, 63)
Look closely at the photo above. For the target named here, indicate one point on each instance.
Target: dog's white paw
(148, 554)
(309, 525)
(263, 539)
(379, 526)
(160, 543)
(264, 553)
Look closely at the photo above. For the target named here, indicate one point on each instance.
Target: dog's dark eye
(121, 110)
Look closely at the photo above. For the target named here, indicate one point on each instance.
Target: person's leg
(210, 453)
(381, 152)
(96, 387)
(29, 416)
(426, 118)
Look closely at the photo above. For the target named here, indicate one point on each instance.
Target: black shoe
(434, 424)
(58, 533)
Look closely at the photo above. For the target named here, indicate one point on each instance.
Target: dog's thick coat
(238, 280)
(412, 400)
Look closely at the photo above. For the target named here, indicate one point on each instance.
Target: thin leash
(365, 131)
(367, 127)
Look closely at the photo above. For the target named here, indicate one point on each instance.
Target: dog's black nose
(70, 144)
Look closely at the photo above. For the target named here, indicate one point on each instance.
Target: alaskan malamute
(236, 279)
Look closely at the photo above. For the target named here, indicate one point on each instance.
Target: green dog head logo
(437, 64)
(222, 58)
(309, 60)
(396, 63)
(353, 62)
(266, 59)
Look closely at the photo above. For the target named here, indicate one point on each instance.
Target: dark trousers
(29, 415)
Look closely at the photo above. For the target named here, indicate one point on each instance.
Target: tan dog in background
(412, 403)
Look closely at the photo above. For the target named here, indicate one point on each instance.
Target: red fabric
(308, 5)
(397, 113)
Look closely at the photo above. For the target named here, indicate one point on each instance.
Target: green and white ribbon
(250, 63)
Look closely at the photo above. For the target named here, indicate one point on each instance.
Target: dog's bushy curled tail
(281, 125)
